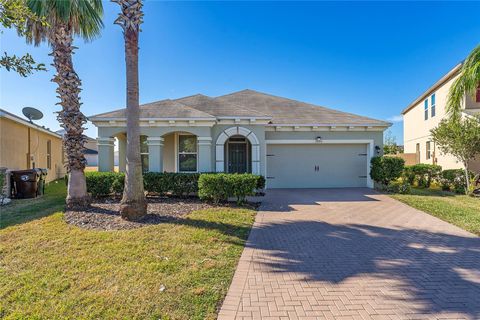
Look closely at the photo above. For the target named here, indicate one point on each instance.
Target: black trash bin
(41, 181)
(26, 183)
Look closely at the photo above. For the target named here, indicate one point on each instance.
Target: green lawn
(460, 210)
(49, 269)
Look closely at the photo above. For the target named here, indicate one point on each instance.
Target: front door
(237, 157)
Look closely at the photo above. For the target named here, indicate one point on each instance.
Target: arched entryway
(237, 149)
(238, 155)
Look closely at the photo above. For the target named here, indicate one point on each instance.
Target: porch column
(122, 156)
(155, 154)
(204, 154)
(105, 153)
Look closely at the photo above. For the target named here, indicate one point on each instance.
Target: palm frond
(82, 17)
(466, 84)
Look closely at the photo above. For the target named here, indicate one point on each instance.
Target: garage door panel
(316, 166)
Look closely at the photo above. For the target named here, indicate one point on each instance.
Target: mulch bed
(104, 213)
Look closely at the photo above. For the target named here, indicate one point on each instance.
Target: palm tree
(64, 20)
(466, 84)
(133, 205)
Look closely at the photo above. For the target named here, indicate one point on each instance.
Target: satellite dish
(32, 113)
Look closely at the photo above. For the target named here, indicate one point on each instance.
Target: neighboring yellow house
(425, 113)
(25, 145)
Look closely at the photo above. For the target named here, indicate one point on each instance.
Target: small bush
(219, 187)
(454, 180)
(261, 183)
(408, 175)
(386, 169)
(101, 184)
(398, 187)
(425, 174)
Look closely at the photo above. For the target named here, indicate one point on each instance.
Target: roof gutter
(8, 115)
(386, 124)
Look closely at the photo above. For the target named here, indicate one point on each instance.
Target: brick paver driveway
(353, 254)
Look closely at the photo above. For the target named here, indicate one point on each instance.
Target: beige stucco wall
(14, 148)
(417, 130)
(169, 152)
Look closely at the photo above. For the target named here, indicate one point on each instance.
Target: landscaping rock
(105, 214)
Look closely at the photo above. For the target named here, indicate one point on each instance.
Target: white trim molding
(220, 147)
(369, 142)
(106, 141)
(155, 141)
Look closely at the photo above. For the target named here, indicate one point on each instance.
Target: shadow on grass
(25, 210)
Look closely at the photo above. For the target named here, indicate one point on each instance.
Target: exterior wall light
(377, 149)
(318, 139)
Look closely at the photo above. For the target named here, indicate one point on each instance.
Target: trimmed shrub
(408, 175)
(454, 180)
(119, 183)
(178, 184)
(220, 186)
(398, 187)
(101, 184)
(425, 174)
(386, 169)
(184, 184)
(261, 183)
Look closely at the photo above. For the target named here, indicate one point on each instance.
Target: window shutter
(478, 95)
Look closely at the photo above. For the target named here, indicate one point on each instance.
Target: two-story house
(425, 113)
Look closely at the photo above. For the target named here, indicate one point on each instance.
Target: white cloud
(398, 118)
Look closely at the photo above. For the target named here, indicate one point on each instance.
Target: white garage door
(316, 166)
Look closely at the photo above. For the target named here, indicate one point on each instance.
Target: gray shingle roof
(287, 111)
(246, 103)
(160, 109)
(219, 108)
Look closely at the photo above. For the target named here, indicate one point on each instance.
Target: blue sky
(369, 58)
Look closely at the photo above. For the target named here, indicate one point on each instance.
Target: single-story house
(26, 145)
(90, 153)
(292, 143)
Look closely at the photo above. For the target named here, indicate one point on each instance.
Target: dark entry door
(237, 157)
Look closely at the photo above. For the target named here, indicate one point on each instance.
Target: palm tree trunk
(70, 118)
(133, 205)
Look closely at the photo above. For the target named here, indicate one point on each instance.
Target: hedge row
(178, 184)
(221, 186)
(422, 174)
(213, 186)
(387, 170)
(100, 184)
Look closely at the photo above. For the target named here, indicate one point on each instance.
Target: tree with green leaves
(133, 205)
(466, 84)
(460, 137)
(390, 143)
(14, 14)
(64, 20)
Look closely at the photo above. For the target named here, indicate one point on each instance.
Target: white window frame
(145, 153)
(428, 147)
(177, 152)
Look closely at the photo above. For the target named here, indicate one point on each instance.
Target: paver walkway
(353, 254)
